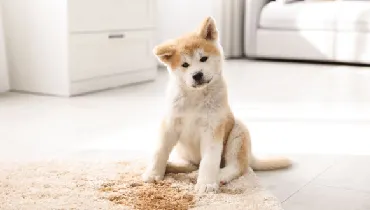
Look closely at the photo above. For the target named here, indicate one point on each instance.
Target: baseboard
(308, 61)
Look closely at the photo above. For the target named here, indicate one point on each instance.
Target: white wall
(176, 17)
(4, 82)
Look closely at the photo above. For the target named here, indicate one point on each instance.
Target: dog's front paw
(206, 188)
(151, 176)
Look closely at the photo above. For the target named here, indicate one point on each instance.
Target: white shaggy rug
(117, 185)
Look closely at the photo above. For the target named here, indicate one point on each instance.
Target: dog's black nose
(198, 76)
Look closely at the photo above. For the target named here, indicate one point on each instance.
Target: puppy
(198, 123)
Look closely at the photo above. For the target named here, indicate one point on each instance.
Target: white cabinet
(76, 46)
(100, 15)
(104, 54)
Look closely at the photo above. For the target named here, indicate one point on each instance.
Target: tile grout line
(309, 182)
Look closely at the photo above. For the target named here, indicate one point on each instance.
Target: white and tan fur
(199, 124)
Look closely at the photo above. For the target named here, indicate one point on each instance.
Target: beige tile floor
(319, 115)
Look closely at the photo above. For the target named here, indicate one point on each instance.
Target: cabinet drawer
(105, 15)
(104, 54)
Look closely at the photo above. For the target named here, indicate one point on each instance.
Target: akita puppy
(198, 123)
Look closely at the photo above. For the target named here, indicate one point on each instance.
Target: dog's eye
(203, 59)
(185, 65)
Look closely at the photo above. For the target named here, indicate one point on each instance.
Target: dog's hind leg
(236, 154)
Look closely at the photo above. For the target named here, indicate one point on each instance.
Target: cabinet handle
(116, 36)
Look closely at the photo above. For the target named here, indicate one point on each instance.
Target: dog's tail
(270, 163)
(180, 168)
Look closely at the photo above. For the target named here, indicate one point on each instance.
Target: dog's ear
(208, 29)
(164, 52)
